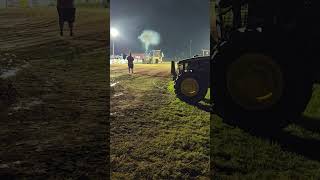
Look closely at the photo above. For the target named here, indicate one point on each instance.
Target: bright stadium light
(114, 33)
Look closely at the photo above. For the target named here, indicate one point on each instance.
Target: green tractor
(263, 63)
(191, 80)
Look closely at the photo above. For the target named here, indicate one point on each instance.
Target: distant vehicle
(191, 79)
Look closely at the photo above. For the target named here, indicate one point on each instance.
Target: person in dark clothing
(124, 56)
(130, 62)
(66, 11)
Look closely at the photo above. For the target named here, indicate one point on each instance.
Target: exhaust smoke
(149, 37)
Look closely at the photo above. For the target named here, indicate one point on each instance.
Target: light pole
(114, 33)
(190, 48)
(113, 48)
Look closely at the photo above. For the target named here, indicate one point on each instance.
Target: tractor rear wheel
(190, 88)
(259, 89)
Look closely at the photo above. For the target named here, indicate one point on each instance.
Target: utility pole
(190, 49)
(113, 48)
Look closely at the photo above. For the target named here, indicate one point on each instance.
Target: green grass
(314, 104)
(157, 136)
(236, 154)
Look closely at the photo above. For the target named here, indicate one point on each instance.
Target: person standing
(66, 11)
(130, 62)
(124, 56)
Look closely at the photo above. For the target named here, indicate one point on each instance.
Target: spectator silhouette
(130, 62)
(124, 56)
(66, 11)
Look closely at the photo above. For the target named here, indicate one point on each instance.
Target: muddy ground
(153, 134)
(53, 95)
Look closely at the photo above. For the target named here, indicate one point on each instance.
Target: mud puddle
(27, 105)
(114, 84)
(11, 71)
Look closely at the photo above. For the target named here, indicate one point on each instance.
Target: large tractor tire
(190, 88)
(259, 88)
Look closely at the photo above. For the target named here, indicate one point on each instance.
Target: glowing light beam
(114, 32)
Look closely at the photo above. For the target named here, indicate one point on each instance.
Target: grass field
(291, 154)
(53, 125)
(153, 134)
(53, 112)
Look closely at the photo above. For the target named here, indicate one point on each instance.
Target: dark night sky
(177, 21)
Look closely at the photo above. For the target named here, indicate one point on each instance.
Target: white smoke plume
(149, 37)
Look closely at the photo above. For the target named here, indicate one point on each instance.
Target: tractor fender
(173, 70)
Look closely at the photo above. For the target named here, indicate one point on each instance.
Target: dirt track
(155, 70)
(56, 125)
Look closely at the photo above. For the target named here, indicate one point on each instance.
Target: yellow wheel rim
(189, 87)
(255, 81)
